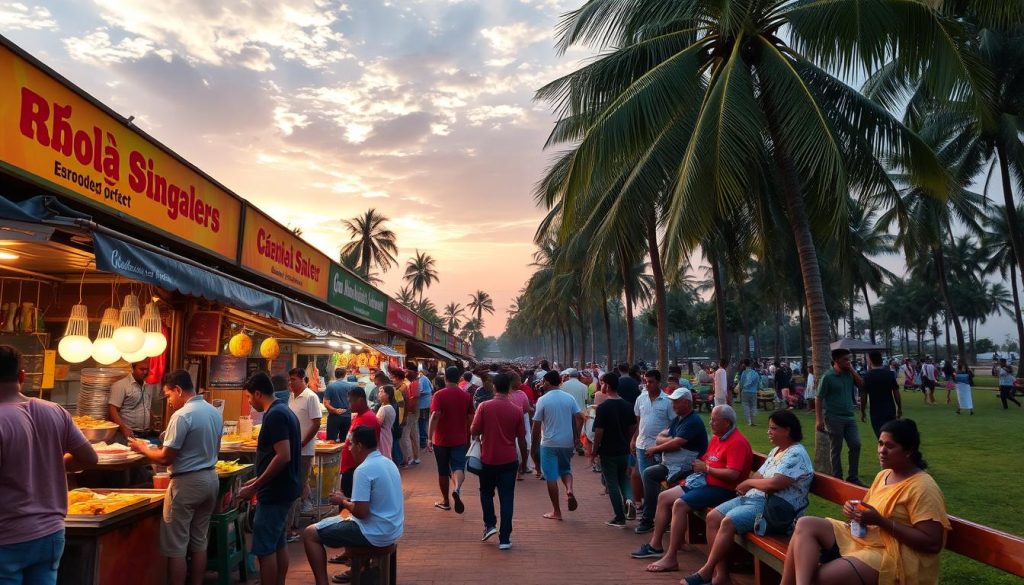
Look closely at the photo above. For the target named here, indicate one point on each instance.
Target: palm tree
(351, 262)
(706, 100)
(420, 272)
(1001, 259)
(481, 302)
(453, 313)
(867, 240)
(372, 245)
(406, 296)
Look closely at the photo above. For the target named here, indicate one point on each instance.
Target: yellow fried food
(228, 466)
(233, 438)
(88, 422)
(85, 502)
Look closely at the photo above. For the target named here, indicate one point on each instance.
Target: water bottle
(856, 529)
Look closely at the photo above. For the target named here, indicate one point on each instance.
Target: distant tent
(856, 345)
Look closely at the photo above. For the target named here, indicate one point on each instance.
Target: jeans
(613, 469)
(34, 562)
(643, 461)
(424, 419)
(653, 476)
(749, 401)
(1006, 395)
(337, 426)
(396, 446)
(838, 430)
(502, 477)
(410, 430)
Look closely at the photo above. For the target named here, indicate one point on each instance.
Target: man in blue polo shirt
(377, 509)
(277, 483)
(426, 393)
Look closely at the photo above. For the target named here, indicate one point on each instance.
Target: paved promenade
(444, 548)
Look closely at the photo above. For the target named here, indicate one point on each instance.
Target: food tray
(228, 474)
(103, 520)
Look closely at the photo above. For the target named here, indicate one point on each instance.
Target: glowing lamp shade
(132, 358)
(155, 343)
(104, 352)
(75, 347)
(129, 336)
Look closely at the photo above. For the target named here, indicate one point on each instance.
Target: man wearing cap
(678, 446)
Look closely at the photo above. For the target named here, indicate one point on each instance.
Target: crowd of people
(639, 429)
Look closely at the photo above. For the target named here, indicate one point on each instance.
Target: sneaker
(616, 523)
(341, 559)
(345, 577)
(489, 532)
(505, 546)
(630, 510)
(643, 528)
(647, 551)
(695, 579)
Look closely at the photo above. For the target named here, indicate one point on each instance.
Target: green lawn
(978, 461)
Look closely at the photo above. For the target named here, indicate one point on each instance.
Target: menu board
(227, 371)
(203, 337)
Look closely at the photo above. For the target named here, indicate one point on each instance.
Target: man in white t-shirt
(929, 374)
(377, 509)
(722, 393)
(306, 406)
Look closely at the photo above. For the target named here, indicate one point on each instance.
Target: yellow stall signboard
(275, 252)
(51, 135)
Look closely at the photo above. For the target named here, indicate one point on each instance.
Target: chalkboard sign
(227, 371)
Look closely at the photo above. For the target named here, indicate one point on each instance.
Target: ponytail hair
(904, 432)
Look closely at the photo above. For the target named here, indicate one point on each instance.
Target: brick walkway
(444, 548)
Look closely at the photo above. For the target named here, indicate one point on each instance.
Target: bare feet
(660, 567)
(553, 516)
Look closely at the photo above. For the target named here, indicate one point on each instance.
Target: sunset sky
(316, 110)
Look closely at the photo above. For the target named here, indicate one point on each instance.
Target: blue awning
(164, 271)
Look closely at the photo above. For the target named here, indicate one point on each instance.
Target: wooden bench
(983, 544)
(379, 561)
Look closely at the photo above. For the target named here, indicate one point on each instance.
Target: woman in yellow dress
(903, 513)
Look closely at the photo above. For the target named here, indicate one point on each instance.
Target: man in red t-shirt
(500, 424)
(451, 412)
(725, 464)
(362, 416)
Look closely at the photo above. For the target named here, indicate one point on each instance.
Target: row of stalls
(114, 250)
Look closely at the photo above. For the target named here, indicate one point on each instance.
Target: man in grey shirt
(130, 405)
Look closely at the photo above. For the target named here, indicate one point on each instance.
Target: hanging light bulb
(103, 349)
(155, 342)
(138, 356)
(129, 336)
(75, 346)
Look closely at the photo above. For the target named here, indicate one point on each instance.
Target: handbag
(779, 517)
(473, 462)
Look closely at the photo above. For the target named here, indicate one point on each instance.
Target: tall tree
(480, 302)
(453, 313)
(372, 245)
(406, 296)
(1001, 259)
(420, 272)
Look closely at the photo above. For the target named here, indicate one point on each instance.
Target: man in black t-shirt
(277, 483)
(881, 392)
(613, 428)
(629, 387)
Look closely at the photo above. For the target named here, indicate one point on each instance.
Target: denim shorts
(335, 532)
(707, 496)
(34, 562)
(268, 528)
(743, 512)
(555, 462)
(450, 459)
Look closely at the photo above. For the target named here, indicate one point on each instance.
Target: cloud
(510, 39)
(97, 48)
(18, 16)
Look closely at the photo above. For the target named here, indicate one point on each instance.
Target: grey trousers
(749, 401)
(838, 431)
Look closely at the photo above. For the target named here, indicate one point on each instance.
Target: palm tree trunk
(723, 336)
(949, 347)
(810, 271)
(778, 334)
(1016, 308)
(871, 319)
(630, 333)
(1011, 216)
(940, 267)
(571, 353)
(607, 329)
(660, 303)
(803, 338)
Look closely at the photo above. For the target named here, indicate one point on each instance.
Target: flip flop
(442, 506)
(573, 504)
(459, 506)
(659, 569)
(551, 516)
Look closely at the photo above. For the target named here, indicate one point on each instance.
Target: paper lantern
(75, 347)
(139, 356)
(155, 343)
(240, 345)
(103, 349)
(270, 348)
(129, 336)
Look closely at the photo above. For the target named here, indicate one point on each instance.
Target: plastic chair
(226, 549)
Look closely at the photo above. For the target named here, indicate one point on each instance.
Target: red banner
(401, 319)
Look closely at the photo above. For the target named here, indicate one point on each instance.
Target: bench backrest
(998, 549)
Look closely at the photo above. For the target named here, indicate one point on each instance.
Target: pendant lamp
(75, 347)
(103, 349)
(155, 342)
(129, 336)
(139, 356)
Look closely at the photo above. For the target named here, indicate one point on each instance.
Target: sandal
(573, 504)
(442, 506)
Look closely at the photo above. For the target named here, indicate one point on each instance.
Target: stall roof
(387, 350)
(322, 323)
(432, 349)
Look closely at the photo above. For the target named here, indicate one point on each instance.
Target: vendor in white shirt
(377, 509)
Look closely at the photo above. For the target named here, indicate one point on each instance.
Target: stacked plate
(95, 390)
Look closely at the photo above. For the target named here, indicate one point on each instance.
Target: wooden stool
(384, 558)
(226, 548)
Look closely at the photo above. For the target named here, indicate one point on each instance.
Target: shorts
(743, 512)
(555, 462)
(187, 509)
(707, 496)
(336, 532)
(268, 528)
(450, 459)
